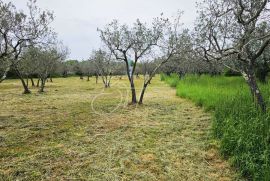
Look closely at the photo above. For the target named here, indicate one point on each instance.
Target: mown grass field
(78, 130)
(243, 131)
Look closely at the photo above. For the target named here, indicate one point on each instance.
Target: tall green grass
(242, 129)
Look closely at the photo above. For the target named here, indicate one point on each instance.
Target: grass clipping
(64, 134)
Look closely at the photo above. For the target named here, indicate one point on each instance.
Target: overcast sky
(77, 21)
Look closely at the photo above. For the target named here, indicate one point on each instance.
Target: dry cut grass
(78, 130)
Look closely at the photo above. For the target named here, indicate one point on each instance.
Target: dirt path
(68, 137)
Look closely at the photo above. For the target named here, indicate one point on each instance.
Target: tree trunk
(51, 79)
(255, 91)
(109, 81)
(142, 93)
(32, 81)
(131, 81)
(106, 81)
(42, 86)
(96, 79)
(107, 85)
(133, 91)
(27, 81)
(38, 82)
(25, 87)
(88, 78)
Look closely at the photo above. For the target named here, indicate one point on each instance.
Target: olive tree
(45, 60)
(88, 68)
(105, 65)
(132, 44)
(28, 65)
(227, 31)
(8, 22)
(18, 30)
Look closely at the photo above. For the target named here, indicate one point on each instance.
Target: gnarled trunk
(254, 89)
(26, 89)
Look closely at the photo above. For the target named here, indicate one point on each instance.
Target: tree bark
(42, 86)
(96, 79)
(142, 93)
(26, 89)
(25, 86)
(255, 91)
(38, 82)
(133, 91)
(132, 85)
(107, 85)
(32, 81)
(109, 81)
